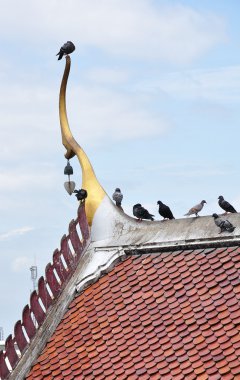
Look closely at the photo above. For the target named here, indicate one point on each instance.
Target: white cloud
(218, 84)
(29, 119)
(15, 233)
(96, 113)
(191, 170)
(21, 263)
(107, 76)
(17, 179)
(136, 28)
(114, 115)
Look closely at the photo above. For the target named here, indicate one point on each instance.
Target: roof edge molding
(96, 263)
(119, 229)
(43, 302)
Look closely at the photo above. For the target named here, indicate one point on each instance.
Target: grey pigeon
(224, 225)
(225, 205)
(66, 49)
(196, 209)
(117, 197)
(165, 211)
(81, 195)
(141, 213)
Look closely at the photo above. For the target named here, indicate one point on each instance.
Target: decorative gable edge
(54, 292)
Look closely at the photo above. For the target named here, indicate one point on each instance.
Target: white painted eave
(113, 228)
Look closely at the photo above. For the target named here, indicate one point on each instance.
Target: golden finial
(89, 180)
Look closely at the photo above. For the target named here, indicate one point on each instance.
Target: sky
(153, 99)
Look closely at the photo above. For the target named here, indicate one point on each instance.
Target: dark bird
(226, 206)
(81, 195)
(117, 197)
(196, 209)
(66, 49)
(141, 213)
(165, 211)
(224, 225)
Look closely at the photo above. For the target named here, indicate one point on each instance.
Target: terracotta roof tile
(171, 316)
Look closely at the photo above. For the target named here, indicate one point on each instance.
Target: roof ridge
(57, 276)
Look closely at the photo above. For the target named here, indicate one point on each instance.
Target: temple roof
(170, 315)
(137, 298)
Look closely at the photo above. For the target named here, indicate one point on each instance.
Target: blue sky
(153, 98)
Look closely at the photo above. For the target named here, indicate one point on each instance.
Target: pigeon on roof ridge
(165, 211)
(225, 205)
(196, 209)
(118, 197)
(224, 225)
(141, 213)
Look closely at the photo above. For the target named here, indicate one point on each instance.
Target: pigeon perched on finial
(165, 211)
(118, 197)
(66, 49)
(196, 209)
(81, 195)
(226, 206)
(141, 213)
(224, 225)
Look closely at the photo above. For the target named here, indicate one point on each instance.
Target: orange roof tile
(167, 315)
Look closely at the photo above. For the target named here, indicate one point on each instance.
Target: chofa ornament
(90, 183)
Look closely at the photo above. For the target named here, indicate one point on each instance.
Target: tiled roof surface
(163, 316)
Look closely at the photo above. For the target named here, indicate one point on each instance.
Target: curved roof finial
(89, 180)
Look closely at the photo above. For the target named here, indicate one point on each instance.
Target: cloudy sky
(153, 98)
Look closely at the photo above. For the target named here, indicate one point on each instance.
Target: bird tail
(186, 214)
(60, 55)
(231, 229)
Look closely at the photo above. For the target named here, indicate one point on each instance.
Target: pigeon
(165, 211)
(141, 213)
(224, 225)
(117, 197)
(81, 195)
(196, 209)
(66, 49)
(225, 205)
